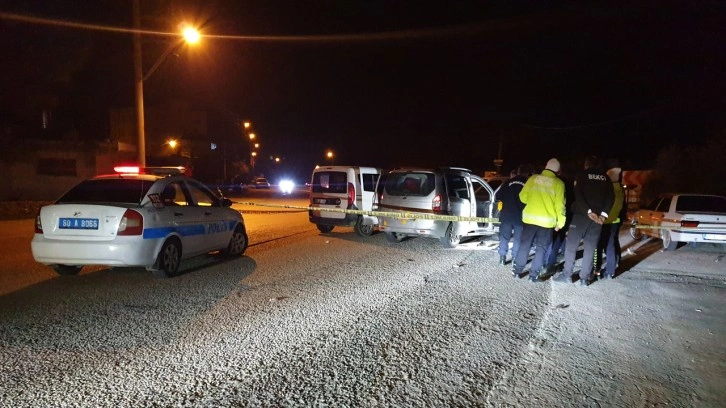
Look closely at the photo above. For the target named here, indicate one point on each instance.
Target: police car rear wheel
(238, 243)
(450, 240)
(67, 270)
(364, 230)
(325, 228)
(169, 259)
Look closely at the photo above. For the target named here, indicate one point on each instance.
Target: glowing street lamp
(252, 136)
(189, 35)
(329, 155)
(252, 159)
(172, 143)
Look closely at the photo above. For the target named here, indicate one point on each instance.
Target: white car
(678, 218)
(132, 219)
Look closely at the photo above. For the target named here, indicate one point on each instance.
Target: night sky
(396, 83)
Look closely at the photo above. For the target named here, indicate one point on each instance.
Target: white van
(343, 188)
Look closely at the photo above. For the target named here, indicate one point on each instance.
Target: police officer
(594, 198)
(510, 217)
(544, 211)
(609, 236)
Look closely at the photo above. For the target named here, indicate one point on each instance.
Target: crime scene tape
(390, 214)
(425, 216)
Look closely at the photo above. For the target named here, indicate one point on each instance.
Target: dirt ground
(18, 210)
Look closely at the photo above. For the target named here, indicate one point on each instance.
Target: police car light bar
(127, 169)
(163, 171)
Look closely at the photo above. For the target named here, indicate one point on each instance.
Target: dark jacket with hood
(512, 206)
(593, 193)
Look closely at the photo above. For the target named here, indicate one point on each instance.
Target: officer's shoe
(502, 260)
(585, 281)
(516, 273)
(534, 278)
(562, 278)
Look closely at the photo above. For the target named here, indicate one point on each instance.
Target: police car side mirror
(226, 202)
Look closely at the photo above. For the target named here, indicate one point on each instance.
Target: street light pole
(190, 35)
(139, 87)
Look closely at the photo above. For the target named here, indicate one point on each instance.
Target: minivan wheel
(364, 230)
(394, 237)
(450, 240)
(325, 228)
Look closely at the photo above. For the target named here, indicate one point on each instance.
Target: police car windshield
(126, 191)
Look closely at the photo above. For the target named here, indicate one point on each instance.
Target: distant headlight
(286, 186)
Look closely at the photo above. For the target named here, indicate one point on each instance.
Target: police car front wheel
(238, 243)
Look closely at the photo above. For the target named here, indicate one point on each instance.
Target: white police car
(135, 219)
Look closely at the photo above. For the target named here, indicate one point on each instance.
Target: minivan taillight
(132, 223)
(689, 224)
(436, 204)
(351, 194)
(38, 224)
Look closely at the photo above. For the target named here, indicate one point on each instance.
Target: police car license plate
(78, 223)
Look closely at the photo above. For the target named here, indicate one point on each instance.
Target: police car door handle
(207, 213)
(178, 214)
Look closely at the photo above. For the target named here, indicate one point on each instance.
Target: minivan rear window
(330, 182)
(410, 184)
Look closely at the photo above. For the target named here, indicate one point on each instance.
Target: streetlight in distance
(252, 159)
(329, 155)
(189, 35)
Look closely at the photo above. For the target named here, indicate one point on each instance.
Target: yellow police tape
(390, 214)
(424, 216)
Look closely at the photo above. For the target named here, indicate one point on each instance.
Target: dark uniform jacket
(593, 193)
(512, 206)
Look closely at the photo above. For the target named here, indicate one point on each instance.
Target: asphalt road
(311, 319)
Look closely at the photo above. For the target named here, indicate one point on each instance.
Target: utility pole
(139, 88)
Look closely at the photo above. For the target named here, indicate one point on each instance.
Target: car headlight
(286, 186)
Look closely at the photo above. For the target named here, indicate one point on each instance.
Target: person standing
(510, 216)
(593, 200)
(610, 235)
(557, 246)
(544, 211)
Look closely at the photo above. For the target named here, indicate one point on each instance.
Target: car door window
(173, 195)
(664, 205)
(457, 186)
(201, 197)
(653, 204)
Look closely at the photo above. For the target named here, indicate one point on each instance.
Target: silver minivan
(443, 191)
(340, 188)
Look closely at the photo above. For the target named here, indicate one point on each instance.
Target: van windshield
(330, 182)
(410, 184)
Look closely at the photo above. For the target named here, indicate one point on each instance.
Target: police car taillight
(132, 223)
(689, 224)
(436, 204)
(351, 194)
(38, 224)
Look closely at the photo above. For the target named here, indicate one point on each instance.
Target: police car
(146, 218)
